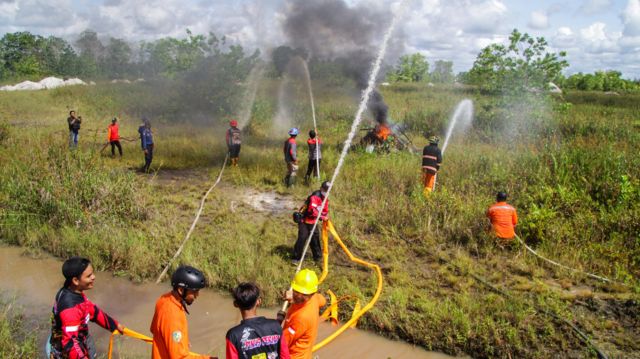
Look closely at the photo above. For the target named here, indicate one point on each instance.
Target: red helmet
(233, 123)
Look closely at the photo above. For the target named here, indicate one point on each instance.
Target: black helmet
(325, 185)
(501, 196)
(188, 277)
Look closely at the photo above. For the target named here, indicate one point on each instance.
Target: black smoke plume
(350, 36)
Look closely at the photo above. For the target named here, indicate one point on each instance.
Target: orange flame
(382, 132)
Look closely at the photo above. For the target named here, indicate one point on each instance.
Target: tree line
(26, 55)
(524, 64)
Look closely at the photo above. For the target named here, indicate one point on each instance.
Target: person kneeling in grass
(72, 312)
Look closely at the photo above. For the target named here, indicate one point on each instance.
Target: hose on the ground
(195, 221)
(564, 266)
(581, 335)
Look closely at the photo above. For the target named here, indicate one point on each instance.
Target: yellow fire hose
(331, 313)
(133, 334)
(327, 227)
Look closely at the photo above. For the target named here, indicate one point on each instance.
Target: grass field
(570, 165)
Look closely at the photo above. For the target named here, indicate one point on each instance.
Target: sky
(596, 34)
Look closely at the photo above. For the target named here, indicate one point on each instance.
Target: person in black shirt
(254, 337)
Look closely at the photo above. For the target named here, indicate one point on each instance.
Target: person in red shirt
(254, 337)
(311, 211)
(503, 218)
(114, 137)
(233, 142)
(169, 324)
(315, 156)
(300, 328)
(72, 311)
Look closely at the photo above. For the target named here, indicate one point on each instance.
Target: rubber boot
(427, 191)
(292, 181)
(286, 180)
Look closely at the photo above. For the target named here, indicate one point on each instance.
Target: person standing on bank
(72, 311)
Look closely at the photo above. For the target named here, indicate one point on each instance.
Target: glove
(280, 316)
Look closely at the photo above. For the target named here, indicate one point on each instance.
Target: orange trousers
(428, 180)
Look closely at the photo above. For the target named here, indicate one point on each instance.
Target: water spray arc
(255, 75)
(464, 113)
(347, 144)
(313, 112)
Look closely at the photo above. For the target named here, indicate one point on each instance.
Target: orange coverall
(170, 331)
(301, 326)
(503, 220)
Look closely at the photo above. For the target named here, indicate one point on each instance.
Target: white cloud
(539, 20)
(631, 18)
(564, 38)
(597, 40)
(593, 7)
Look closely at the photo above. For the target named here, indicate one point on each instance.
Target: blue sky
(597, 34)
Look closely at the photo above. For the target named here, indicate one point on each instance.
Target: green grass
(16, 340)
(570, 166)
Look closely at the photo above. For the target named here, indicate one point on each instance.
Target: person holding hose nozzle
(431, 161)
(169, 324)
(233, 142)
(291, 157)
(310, 212)
(72, 311)
(301, 321)
(315, 156)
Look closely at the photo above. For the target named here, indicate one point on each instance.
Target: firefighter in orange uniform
(301, 322)
(503, 218)
(431, 161)
(169, 324)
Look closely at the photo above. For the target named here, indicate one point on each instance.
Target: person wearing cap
(254, 337)
(233, 142)
(146, 138)
(315, 155)
(311, 212)
(291, 157)
(431, 160)
(300, 327)
(72, 311)
(169, 324)
(503, 218)
(113, 136)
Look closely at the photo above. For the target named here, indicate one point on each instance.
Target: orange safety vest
(301, 326)
(170, 331)
(503, 219)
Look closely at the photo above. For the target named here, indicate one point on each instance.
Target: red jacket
(113, 132)
(70, 323)
(314, 203)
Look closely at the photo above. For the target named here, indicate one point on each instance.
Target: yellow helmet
(305, 282)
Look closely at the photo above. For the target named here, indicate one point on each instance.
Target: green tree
(116, 59)
(523, 64)
(21, 54)
(411, 68)
(442, 72)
